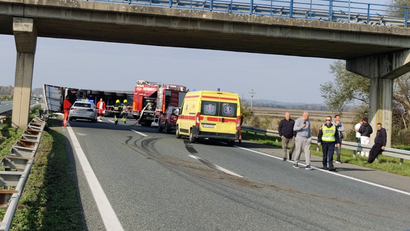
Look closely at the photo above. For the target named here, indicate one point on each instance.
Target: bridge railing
(392, 152)
(327, 10)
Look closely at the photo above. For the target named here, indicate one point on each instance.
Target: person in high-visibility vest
(328, 137)
(117, 110)
(101, 108)
(125, 110)
(66, 107)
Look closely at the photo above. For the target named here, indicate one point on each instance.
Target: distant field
(316, 117)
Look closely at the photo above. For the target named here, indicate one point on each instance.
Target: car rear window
(82, 105)
(223, 109)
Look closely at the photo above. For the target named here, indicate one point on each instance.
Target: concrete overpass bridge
(374, 46)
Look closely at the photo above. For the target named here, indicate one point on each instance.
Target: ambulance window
(209, 108)
(181, 96)
(228, 110)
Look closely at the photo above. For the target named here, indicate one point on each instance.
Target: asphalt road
(154, 181)
(6, 106)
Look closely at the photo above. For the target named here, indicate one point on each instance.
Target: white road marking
(142, 134)
(334, 173)
(217, 167)
(108, 215)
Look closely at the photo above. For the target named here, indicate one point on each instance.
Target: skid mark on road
(193, 151)
(214, 166)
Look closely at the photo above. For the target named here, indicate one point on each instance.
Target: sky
(114, 66)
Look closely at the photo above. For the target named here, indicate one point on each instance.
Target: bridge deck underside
(208, 34)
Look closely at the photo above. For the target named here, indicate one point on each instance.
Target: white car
(83, 110)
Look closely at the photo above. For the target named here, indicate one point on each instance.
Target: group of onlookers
(363, 132)
(297, 136)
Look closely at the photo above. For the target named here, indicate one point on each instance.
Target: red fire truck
(152, 98)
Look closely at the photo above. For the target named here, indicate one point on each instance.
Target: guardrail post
(211, 5)
(406, 16)
(291, 9)
(170, 3)
(251, 7)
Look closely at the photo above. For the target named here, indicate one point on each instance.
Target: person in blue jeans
(328, 137)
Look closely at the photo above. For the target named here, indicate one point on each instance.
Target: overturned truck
(55, 95)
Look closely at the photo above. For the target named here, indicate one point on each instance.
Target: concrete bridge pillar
(25, 35)
(382, 70)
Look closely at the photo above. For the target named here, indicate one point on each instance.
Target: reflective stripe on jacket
(329, 133)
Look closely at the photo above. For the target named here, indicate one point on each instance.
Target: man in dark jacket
(287, 134)
(379, 143)
(365, 130)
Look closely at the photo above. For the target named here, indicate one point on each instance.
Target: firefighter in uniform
(328, 137)
(125, 110)
(117, 110)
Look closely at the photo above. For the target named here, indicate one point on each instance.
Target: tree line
(8, 91)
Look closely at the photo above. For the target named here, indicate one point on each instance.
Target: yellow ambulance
(210, 115)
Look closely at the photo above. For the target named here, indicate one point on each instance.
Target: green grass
(9, 136)
(384, 163)
(50, 198)
(404, 147)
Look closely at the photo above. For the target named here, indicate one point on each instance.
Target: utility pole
(252, 94)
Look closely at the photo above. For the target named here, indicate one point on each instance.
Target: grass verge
(50, 197)
(384, 163)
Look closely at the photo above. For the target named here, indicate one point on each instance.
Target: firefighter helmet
(117, 101)
(125, 101)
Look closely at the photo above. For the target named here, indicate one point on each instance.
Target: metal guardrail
(325, 10)
(3, 117)
(392, 152)
(16, 168)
